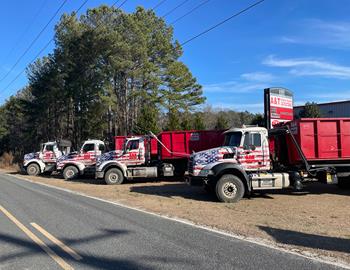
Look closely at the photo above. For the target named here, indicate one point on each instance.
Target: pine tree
(173, 122)
(147, 121)
(198, 122)
(186, 120)
(180, 94)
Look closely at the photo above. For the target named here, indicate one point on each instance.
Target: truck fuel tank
(146, 172)
(263, 181)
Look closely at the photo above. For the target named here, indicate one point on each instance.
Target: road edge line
(268, 244)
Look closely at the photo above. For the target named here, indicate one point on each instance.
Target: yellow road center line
(38, 241)
(59, 243)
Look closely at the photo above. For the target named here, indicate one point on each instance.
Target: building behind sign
(329, 109)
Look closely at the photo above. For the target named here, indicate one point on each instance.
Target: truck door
(255, 154)
(88, 153)
(134, 152)
(57, 152)
(48, 153)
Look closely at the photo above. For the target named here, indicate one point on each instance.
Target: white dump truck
(36, 163)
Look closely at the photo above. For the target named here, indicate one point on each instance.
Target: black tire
(70, 173)
(33, 169)
(114, 177)
(229, 189)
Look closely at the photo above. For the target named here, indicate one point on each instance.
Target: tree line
(110, 73)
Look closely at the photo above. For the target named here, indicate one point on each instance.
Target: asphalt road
(106, 236)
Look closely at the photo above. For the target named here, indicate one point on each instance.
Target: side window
(132, 145)
(252, 139)
(256, 139)
(101, 147)
(88, 147)
(246, 142)
(49, 147)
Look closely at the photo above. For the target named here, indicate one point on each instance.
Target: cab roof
(246, 129)
(50, 143)
(94, 141)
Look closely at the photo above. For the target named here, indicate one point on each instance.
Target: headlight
(205, 173)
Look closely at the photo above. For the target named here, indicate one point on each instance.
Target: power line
(190, 11)
(175, 8)
(43, 49)
(20, 38)
(35, 39)
(36, 56)
(159, 4)
(52, 39)
(122, 4)
(222, 22)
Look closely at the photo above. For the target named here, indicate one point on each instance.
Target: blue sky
(301, 45)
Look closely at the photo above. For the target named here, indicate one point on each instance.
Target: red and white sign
(279, 107)
(281, 102)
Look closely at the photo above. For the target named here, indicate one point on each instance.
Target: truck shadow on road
(308, 240)
(93, 181)
(90, 260)
(308, 189)
(170, 190)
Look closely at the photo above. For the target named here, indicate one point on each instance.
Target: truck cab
(49, 152)
(238, 167)
(81, 162)
(247, 147)
(45, 160)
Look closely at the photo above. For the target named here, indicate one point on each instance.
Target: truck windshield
(233, 139)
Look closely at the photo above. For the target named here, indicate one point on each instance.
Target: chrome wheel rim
(230, 190)
(113, 177)
(32, 170)
(70, 173)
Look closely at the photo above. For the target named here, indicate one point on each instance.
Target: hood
(108, 156)
(212, 155)
(30, 156)
(67, 157)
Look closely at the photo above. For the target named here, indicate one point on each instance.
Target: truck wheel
(229, 188)
(33, 169)
(70, 173)
(114, 177)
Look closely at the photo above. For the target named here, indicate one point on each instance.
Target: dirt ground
(315, 221)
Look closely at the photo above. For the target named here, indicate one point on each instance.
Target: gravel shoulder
(315, 222)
